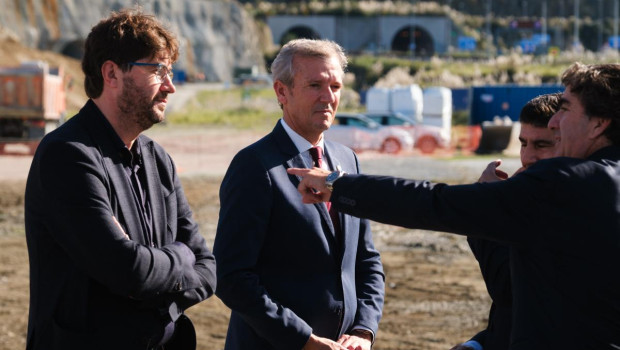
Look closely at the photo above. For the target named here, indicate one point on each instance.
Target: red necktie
(317, 158)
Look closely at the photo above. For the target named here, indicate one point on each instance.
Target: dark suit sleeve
(71, 182)
(493, 258)
(480, 337)
(188, 234)
(246, 201)
(370, 280)
(496, 211)
(494, 261)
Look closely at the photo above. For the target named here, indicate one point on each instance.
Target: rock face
(215, 35)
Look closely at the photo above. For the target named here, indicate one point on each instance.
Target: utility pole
(600, 25)
(544, 22)
(489, 36)
(615, 24)
(560, 39)
(412, 43)
(576, 41)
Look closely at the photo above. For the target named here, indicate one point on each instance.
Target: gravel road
(201, 150)
(435, 296)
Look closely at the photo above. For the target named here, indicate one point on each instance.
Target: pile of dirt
(435, 296)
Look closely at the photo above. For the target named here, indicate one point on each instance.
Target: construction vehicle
(32, 103)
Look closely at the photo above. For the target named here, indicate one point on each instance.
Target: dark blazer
(493, 258)
(561, 218)
(91, 287)
(280, 268)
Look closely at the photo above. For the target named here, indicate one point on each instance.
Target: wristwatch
(329, 180)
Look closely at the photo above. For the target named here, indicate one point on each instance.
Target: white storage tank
(378, 100)
(407, 100)
(437, 107)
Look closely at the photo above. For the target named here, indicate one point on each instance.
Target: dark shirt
(95, 281)
(132, 160)
(135, 171)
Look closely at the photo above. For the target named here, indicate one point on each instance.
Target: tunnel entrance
(74, 49)
(414, 39)
(299, 32)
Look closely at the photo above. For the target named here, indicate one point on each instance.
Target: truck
(32, 103)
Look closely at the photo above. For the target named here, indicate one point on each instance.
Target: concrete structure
(427, 35)
(215, 36)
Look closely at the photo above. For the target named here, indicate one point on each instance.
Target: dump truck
(32, 103)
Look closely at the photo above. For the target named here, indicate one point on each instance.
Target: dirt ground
(435, 296)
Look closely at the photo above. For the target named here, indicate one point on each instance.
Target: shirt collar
(125, 153)
(301, 143)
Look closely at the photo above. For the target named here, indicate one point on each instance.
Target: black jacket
(561, 220)
(281, 268)
(493, 258)
(92, 287)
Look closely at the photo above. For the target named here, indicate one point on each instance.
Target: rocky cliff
(215, 35)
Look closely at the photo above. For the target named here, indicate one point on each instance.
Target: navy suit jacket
(561, 219)
(280, 268)
(91, 287)
(493, 258)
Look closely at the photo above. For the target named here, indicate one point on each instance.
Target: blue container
(180, 76)
(503, 100)
(460, 99)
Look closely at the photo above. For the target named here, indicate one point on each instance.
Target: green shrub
(236, 107)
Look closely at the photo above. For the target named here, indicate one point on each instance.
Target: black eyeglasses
(161, 72)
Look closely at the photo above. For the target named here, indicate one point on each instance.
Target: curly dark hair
(598, 89)
(126, 36)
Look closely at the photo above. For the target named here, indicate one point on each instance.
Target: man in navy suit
(115, 256)
(537, 142)
(296, 276)
(560, 217)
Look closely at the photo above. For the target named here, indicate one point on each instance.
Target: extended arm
(476, 210)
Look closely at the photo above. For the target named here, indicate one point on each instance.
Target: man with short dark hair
(561, 218)
(537, 142)
(115, 256)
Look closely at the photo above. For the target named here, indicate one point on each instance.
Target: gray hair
(282, 66)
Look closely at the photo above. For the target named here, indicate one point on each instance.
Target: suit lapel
(121, 200)
(296, 160)
(154, 193)
(334, 163)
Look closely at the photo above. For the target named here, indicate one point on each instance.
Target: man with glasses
(115, 256)
(161, 70)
